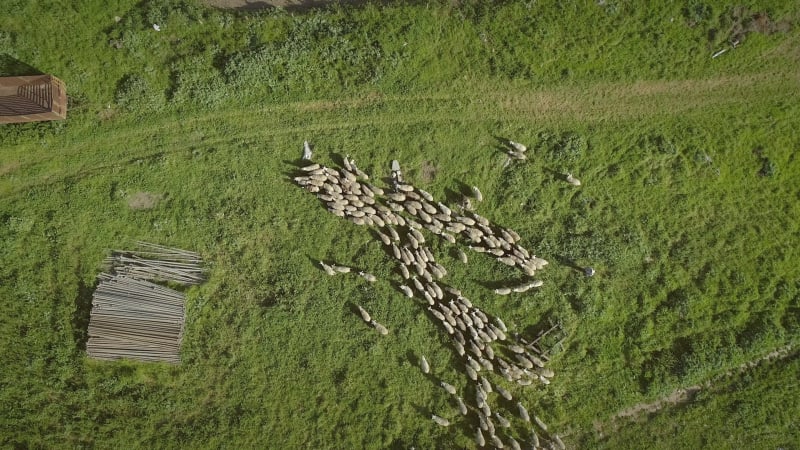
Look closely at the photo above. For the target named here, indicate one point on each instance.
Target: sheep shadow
(565, 261)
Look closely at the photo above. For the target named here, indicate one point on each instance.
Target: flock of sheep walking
(399, 217)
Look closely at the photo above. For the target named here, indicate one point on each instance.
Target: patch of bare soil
(143, 200)
(428, 171)
(8, 167)
(744, 22)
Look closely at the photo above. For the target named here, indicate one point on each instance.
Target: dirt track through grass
(600, 102)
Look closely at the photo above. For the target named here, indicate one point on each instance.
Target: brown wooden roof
(32, 99)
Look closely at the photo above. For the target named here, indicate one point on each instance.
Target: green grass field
(688, 210)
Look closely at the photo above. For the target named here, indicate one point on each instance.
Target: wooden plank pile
(134, 318)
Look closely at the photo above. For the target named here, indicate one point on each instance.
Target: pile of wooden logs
(134, 318)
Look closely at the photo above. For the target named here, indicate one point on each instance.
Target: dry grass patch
(143, 200)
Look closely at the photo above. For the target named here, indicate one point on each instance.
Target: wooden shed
(32, 99)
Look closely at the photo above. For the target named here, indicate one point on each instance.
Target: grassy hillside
(688, 211)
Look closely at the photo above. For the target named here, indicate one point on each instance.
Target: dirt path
(291, 5)
(606, 102)
(640, 411)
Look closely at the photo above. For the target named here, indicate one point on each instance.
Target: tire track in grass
(684, 395)
(602, 102)
(596, 102)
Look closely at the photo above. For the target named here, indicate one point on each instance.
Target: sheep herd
(400, 217)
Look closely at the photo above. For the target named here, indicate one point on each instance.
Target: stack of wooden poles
(134, 318)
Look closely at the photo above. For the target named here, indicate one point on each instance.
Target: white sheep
(423, 364)
(572, 180)
(518, 147)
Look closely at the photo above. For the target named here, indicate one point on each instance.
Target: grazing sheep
(500, 324)
(524, 381)
(311, 167)
(430, 209)
(545, 372)
(381, 329)
(368, 276)
(540, 423)
(328, 269)
(572, 180)
(448, 328)
(517, 155)
(448, 387)
(396, 251)
(406, 290)
(559, 442)
(437, 290)
(441, 421)
(425, 194)
(497, 332)
(471, 373)
(523, 413)
(404, 271)
(476, 320)
(364, 314)
(534, 439)
(489, 423)
(518, 147)
(502, 291)
(487, 387)
(482, 421)
(524, 361)
(504, 393)
(384, 238)
(476, 193)
(487, 411)
(497, 442)
(376, 220)
(516, 348)
(455, 227)
(489, 334)
(514, 443)
(459, 348)
(460, 338)
(461, 406)
(479, 438)
(435, 271)
(474, 364)
(448, 237)
(424, 216)
(428, 298)
(507, 261)
(423, 364)
(340, 269)
(436, 314)
(502, 420)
